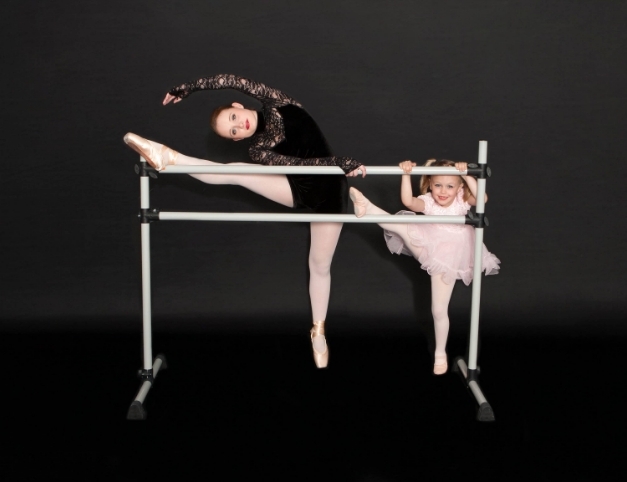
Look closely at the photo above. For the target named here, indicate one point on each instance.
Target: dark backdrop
(543, 82)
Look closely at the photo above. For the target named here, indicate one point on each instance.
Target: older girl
(284, 134)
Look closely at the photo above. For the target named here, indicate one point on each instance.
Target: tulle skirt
(447, 249)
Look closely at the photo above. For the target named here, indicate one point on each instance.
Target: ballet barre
(468, 371)
(373, 170)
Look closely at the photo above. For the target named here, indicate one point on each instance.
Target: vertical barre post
(146, 299)
(476, 280)
(469, 372)
(149, 372)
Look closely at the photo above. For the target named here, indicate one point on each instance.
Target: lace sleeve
(270, 158)
(267, 95)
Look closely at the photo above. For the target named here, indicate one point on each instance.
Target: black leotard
(287, 135)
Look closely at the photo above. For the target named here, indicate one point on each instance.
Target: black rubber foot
(136, 411)
(485, 413)
(164, 362)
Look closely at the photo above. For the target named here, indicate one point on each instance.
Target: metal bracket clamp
(146, 375)
(467, 375)
(148, 215)
(480, 171)
(472, 375)
(478, 220)
(145, 170)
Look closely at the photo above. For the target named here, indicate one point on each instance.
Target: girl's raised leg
(271, 186)
(274, 187)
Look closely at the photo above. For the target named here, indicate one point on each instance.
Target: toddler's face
(444, 189)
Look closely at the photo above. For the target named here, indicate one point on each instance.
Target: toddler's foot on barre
(360, 202)
(157, 155)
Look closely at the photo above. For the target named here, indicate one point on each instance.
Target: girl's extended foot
(319, 345)
(360, 202)
(440, 366)
(157, 155)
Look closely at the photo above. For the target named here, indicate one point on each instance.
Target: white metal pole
(143, 391)
(309, 218)
(476, 281)
(146, 300)
(476, 300)
(259, 169)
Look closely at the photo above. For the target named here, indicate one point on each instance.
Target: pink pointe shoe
(157, 155)
(321, 359)
(440, 366)
(360, 202)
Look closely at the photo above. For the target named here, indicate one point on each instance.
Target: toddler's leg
(364, 206)
(440, 297)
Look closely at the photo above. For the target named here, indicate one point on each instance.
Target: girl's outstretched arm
(471, 182)
(257, 90)
(407, 194)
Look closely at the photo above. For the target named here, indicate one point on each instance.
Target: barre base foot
(485, 413)
(136, 411)
(471, 381)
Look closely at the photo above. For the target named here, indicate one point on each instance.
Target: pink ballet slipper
(157, 155)
(360, 202)
(320, 359)
(441, 365)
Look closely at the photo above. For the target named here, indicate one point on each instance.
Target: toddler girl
(445, 251)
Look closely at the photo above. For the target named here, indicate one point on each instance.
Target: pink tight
(324, 236)
(440, 291)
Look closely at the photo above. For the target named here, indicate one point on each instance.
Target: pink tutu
(447, 249)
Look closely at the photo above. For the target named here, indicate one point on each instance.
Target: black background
(543, 82)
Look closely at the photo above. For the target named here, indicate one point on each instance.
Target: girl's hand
(170, 97)
(461, 166)
(407, 166)
(360, 170)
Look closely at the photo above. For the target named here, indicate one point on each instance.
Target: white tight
(324, 236)
(440, 297)
(440, 291)
(272, 186)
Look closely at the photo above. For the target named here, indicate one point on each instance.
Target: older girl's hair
(425, 180)
(214, 116)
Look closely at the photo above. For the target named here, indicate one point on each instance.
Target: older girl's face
(236, 122)
(444, 189)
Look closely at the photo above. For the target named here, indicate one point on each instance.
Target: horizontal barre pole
(252, 169)
(311, 218)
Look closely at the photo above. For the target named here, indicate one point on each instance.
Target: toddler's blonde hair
(425, 180)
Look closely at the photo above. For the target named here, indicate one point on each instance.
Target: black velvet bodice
(303, 137)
